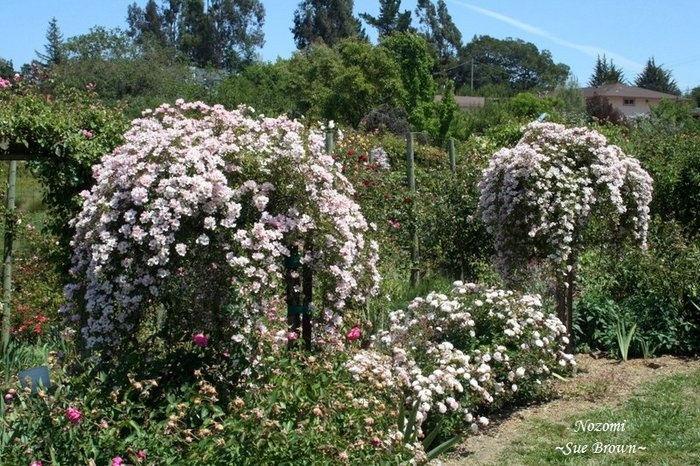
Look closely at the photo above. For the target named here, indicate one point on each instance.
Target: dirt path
(599, 382)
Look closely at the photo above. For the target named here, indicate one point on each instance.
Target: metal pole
(7, 254)
(453, 161)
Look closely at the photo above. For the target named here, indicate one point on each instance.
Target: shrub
(192, 218)
(461, 354)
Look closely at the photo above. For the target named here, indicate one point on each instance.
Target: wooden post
(330, 145)
(7, 254)
(453, 160)
(411, 174)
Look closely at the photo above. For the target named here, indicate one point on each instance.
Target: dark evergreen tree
(327, 21)
(390, 18)
(654, 77)
(605, 73)
(54, 53)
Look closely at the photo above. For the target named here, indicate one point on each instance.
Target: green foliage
(136, 76)
(6, 68)
(303, 406)
(654, 77)
(605, 73)
(65, 135)
(345, 82)
(439, 30)
(54, 45)
(267, 87)
(325, 21)
(666, 144)
(390, 20)
(504, 68)
(658, 289)
(225, 34)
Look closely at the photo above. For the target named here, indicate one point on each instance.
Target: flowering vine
(196, 213)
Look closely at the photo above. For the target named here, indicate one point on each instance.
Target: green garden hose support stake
(299, 297)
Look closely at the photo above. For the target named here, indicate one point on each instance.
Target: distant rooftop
(623, 90)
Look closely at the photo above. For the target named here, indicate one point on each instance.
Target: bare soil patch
(597, 383)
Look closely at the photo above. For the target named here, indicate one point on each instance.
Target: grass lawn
(659, 425)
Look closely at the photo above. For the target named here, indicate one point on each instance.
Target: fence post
(453, 160)
(411, 173)
(7, 254)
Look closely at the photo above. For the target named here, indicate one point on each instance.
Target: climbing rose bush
(457, 354)
(538, 197)
(196, 213)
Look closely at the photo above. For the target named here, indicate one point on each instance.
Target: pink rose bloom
(292, 336)
(87, 134)
(35, 463)
(200, 340)
(73, 415)
(354, 334)
(141, 454)
(117, 461)
(8, 397)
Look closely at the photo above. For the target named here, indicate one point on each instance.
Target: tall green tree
(415, 61)
(53, 50)
(506, 67)
(147, 23)
(605, 73)
(216, 33)
(327, 21)
(391, 18)
(654, 77)
(440, 31)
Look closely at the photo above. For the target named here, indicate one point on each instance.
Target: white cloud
(590, 50)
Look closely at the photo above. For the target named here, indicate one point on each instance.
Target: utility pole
(471, 75)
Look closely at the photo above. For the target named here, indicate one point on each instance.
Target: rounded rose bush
(190, 222)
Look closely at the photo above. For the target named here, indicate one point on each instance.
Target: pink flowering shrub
(193, 217)
(538, 197)
(461, 354)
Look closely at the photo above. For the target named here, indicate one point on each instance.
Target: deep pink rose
(73, 415)
(354, 334)
(200, 340)
(36, 463)
(292, 336)
(117, 461)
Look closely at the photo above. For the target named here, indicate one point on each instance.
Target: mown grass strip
(659, 425)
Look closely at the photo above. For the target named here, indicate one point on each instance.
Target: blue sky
(575, 32)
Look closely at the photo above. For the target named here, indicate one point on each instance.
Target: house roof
(464, 101)
(623, 90)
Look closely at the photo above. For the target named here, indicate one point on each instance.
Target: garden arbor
(60, 138)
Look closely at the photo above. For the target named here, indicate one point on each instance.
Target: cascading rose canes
(538, 197)
(199, 189)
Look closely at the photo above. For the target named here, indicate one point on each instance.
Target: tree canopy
(53, 50)
(508, 67)
(327, 21)
(605, 73)
(390, 18)
(654, 77)
(221, 34)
